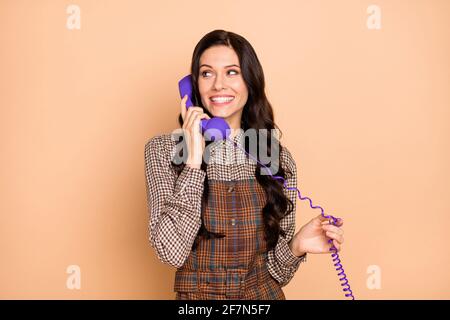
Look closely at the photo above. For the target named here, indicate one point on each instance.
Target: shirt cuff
(286, 256)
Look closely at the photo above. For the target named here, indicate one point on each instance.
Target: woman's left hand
(313, 237)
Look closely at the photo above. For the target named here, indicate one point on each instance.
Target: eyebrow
(207, 65)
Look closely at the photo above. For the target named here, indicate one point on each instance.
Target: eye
(203, 73)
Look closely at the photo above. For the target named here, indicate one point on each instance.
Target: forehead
(219, 56)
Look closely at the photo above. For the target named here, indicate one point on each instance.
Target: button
(233, 222)
(230, 189)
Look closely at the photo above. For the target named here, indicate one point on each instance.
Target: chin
(222, 114)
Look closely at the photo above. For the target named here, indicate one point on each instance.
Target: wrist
(296, 251)
(193, 165)
(192, 159)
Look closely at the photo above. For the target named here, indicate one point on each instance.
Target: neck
(234, 122)
(234, 132)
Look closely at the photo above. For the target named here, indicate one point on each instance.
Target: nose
(219, 83)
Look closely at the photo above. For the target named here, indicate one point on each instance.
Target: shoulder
(162, 144)
(286, 157)
(287, 160)
(160, 140)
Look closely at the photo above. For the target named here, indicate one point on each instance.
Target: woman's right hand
(192, 132)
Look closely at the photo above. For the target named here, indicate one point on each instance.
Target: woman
(226, 226)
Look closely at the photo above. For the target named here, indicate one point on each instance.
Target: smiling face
(222, 89)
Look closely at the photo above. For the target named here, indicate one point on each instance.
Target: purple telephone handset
(221, 128)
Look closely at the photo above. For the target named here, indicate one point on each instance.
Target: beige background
(364, 112)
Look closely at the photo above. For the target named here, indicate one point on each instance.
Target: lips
(221, 99)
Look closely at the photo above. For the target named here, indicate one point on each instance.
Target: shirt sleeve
(282, 263)
(174, 203)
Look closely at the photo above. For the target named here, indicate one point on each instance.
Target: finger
(329, 220)
(335, 236)
(339, 221)
(206, 115)
(183, 107)
(190, 117)
(196, 124)
(330, 227)
(197, 117)
(337, 245)
(195, 110)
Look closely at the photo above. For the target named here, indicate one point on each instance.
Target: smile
(221, 100)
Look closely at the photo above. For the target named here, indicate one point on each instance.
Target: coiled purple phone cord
(334, 255)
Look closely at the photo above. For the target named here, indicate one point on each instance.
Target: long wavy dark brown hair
(257, 114)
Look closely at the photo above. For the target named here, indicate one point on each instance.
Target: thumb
(318, 220)
(330, 219)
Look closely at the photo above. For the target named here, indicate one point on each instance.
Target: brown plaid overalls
(233, 267)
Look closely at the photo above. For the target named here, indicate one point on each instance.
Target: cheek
(203, 95)
(201, 88)
(241, 89)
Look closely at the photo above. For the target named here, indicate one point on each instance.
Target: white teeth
(222, 99)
